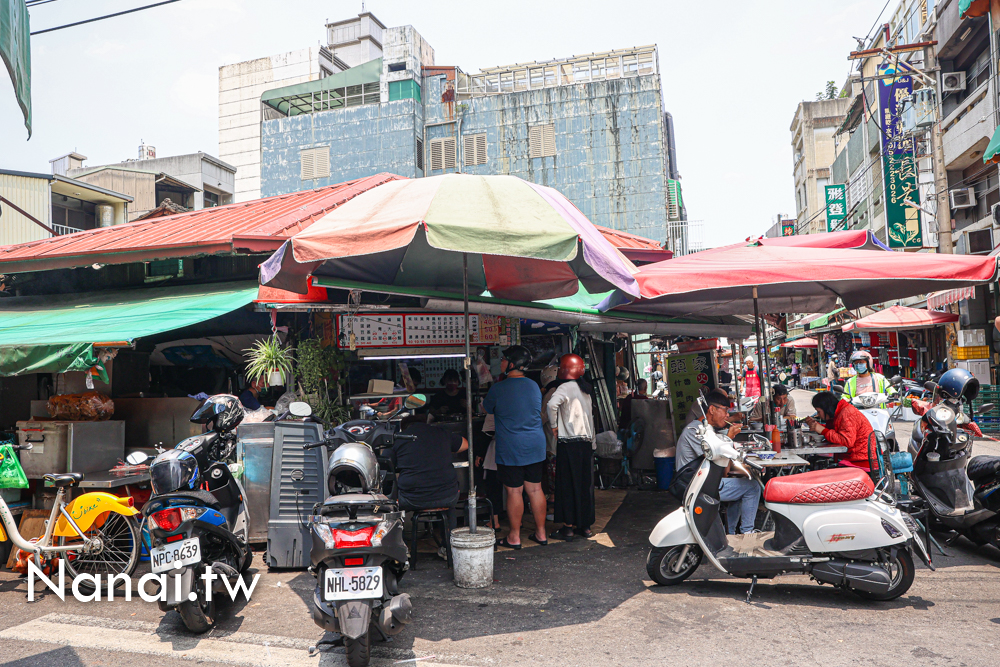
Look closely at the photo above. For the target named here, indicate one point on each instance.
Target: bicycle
(96, 532)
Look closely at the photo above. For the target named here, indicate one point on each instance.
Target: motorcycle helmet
(354, 469)
(865, 356)
(518, 356)
(959, 383)
(174, 470)
(224, 410)
(571, 367)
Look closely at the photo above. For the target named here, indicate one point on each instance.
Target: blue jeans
(747, 492)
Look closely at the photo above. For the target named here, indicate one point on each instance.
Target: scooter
(197, 516)
(358, 550)
(962, 492)
(835, 525)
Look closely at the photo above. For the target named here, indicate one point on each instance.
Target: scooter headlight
(380, 531)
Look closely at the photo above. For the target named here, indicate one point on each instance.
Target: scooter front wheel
(359, 651)
(665, 567)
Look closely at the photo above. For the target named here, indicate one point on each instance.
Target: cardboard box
(380, 386)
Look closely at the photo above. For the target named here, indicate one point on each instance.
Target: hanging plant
(314, 369)
(268, 358)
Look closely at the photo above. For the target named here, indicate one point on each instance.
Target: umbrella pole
(765, 384)
(471, 503)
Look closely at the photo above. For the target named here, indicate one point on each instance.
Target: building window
(404, 90)
(443, 154)
(420, 155)
(210, 199)
(315, 162)
(542, 140)
(475, 149)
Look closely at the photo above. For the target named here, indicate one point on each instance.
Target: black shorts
(515, 476)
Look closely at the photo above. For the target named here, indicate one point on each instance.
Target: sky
(732, 72)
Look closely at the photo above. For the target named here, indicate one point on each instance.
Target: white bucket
(472, 556)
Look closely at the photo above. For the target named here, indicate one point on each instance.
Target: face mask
(861, 368)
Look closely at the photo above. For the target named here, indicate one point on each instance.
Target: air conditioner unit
(995, 213)
(962, 198)
(952, 82)
(979, 242)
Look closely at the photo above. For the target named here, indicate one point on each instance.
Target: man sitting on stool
(732, 489)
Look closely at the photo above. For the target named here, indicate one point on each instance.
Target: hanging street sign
(836, 206)
(15, 52)
(898, 162)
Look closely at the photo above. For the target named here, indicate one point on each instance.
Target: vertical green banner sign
(836, 206)
(686, 375)
(15, 51)
(902, 221)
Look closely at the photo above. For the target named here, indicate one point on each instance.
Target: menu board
(426, 329)
(686, 375)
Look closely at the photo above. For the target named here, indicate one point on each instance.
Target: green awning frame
(56, 334)
(823, 321)
(303, 98)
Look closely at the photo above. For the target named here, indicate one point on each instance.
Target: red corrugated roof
(261, 225)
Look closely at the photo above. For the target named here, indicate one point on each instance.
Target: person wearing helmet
(516, 406)
(751, 378)
(867, 381)
(571, 416)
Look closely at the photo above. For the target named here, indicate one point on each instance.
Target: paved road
(583, 603)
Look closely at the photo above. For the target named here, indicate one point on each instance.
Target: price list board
(687, 376)
(426, 330)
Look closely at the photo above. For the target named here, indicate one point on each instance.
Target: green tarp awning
(55, 334)
(823, 321)
(990, 155)
(973, 8)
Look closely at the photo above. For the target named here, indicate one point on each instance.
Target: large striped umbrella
(522, 241)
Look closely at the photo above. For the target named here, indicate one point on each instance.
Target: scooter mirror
(137, 458)
(986, 407)
(300, 409)
(896, 379)
(838, 388)
(930, 386)
(415, 401)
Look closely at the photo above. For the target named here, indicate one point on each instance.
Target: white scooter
(870, 404)
(833, 525)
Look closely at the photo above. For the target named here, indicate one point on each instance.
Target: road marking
(237, 648)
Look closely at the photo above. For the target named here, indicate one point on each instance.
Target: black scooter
(962, 492)
(358, 552)
(197, 517)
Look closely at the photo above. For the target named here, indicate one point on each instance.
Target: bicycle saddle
(63, 479)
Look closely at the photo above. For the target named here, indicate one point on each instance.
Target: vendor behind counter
(451, 400)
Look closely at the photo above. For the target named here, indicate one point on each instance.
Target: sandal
(585, 533)
(504, 543)
(534, 538)
(564, 533)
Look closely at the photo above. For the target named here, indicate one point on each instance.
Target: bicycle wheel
(115, 550)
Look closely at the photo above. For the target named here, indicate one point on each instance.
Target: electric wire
(35, 3)
(101, 18)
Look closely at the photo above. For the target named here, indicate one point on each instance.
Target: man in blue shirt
(516, 406)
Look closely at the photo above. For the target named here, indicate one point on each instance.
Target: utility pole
(943, 215)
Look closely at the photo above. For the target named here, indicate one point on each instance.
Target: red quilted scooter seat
(835, 485)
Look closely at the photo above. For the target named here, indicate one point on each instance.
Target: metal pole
(471, 504)
(734, 360)
(937, 162)
(765, 394)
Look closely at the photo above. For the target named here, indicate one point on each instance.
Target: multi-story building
(190, 182)
(350, 43)
(813, 152)
(591, 126)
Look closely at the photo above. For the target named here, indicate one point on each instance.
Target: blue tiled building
(593, 127)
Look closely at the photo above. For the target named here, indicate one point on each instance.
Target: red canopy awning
(801, 343)
(797, 279)
(901, 317)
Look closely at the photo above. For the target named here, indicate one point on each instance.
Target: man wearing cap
(516, 406)
(732, 489)
(781, 401)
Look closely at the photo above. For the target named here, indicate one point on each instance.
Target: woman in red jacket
(844, 425)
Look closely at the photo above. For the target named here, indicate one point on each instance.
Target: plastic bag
(11, 474)
(90, 406)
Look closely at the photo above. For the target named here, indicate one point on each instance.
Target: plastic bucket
(472, 556)
(664, 472)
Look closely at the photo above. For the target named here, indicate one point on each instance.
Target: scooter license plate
(353, 583)
(174, 555)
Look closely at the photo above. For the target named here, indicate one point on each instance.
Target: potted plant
(269, 358)
(314, 371)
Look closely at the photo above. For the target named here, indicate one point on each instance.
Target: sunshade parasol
(523, 241)
(801, 343)
(901, 317)
(797, 279)
(854, 239)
